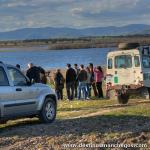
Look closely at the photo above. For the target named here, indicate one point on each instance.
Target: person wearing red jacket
(98, 79)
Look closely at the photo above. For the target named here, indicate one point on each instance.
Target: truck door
(109, 77)
(123, 70)
(146, 70)
(137, 70)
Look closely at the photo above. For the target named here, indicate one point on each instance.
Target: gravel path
(95, 128)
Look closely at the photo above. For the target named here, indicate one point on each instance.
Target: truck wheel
(123, 98)
(48, 112)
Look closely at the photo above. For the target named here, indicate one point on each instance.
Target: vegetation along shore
(77, 43)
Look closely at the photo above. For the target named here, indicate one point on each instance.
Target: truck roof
(121, 52)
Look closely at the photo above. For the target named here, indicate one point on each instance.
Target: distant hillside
(144, 32)
(50, 32)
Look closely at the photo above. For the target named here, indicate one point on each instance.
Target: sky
(17, 14)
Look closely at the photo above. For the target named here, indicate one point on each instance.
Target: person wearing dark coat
(59, 84)
(18, 66)
(43, 78)
(77, 70)
(82, 78)
(70, 82)
(33, 73)
(93, 84)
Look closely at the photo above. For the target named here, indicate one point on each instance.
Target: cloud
(113, 12)
(105, 6)
(16, 4)
(95, 6)
(72, 13)
(76, 10)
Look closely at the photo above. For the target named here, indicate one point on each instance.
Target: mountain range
(52, 32)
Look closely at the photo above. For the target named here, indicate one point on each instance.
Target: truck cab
(128, 71)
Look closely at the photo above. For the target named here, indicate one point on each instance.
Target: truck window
(146, 61)
(136, 61)
(123, 61)
(3, 78)
(110, 63)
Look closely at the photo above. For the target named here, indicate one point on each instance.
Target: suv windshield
(17, 78)
(146, 61)
(123, 61)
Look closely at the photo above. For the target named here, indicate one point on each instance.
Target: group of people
(35, 74)
(79, 82)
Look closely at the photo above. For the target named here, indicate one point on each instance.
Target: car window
(3, 78)
(110, 63)
(17, 77)
(123, 61)
(136, 61)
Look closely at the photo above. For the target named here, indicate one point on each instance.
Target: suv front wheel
(48, 112)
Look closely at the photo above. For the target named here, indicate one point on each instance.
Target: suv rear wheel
(48, 112)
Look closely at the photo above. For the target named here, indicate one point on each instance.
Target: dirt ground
(102, 127)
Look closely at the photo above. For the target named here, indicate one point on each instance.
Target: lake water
(54, 58)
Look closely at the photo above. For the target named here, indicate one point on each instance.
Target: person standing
(88, 82)
(98, 78)
(18, 66)
(82, 78)
(70, 82)
(33, 73)
(76, 82)
(43, 78)
(93, 79)
(59, 84)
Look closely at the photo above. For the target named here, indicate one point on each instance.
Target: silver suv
(20, 98)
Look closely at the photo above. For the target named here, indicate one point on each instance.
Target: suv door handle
(18, 89)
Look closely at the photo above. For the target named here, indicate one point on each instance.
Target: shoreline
(24, 48)
(80, 43)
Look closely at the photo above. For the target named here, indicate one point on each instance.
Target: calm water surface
(54, 58)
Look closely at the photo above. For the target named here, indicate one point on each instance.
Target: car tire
(48, 112)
